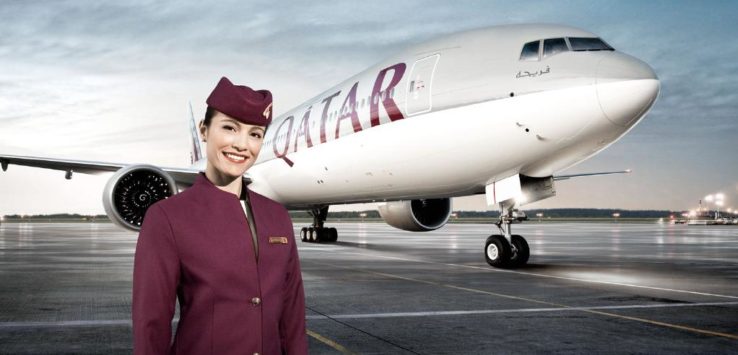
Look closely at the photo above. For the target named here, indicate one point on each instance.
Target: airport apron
(197, 247)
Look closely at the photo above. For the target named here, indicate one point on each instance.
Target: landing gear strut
(507, 250)
(316, 232)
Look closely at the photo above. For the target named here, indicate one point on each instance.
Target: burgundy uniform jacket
(197, 246)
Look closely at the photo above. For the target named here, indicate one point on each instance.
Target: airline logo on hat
(267, 112)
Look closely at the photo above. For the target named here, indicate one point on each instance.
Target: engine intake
(132, 190)
(416, 215)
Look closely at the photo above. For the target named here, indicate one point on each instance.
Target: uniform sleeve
(292, 324)
(155, 279)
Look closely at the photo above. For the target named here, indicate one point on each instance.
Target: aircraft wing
(183, 176)
(565, 177)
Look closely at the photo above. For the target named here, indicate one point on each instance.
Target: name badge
(277, 240)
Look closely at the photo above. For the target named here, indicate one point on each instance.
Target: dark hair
(209, 113)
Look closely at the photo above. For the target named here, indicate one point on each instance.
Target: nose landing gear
(316, 232)
(507, 250)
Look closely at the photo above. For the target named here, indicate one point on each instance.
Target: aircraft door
(419, 85)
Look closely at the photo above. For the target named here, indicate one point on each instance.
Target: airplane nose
(626, 88)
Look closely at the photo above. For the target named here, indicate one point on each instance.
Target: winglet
(196, 153)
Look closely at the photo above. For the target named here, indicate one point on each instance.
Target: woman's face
(232, 146)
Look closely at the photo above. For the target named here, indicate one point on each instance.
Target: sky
(110, 81)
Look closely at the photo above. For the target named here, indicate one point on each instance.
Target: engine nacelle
(416, 215)
(132, 190)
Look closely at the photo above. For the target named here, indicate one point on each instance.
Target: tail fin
(196, 153)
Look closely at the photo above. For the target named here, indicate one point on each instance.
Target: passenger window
(579, 44)
(554, 46)
(530, 51)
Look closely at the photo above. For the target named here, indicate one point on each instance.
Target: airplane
(495, 111)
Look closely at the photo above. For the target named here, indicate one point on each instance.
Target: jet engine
(132, 190)
(416, 215)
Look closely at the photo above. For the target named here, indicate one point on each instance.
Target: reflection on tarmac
(589, 287)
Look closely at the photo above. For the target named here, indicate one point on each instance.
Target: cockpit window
(530, 51)
(554, 46)
(579, 44)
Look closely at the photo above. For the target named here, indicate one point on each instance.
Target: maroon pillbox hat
(242, 103)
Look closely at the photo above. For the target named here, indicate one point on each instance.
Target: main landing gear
(316, 232)
(507, 250)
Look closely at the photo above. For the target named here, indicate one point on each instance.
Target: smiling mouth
(235, 158)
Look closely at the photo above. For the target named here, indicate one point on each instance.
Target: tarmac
(65, 288)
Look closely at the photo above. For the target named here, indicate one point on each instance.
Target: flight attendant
(226, 253)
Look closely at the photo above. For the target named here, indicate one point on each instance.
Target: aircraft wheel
(333, 234)
(311, 234)
(321, 235)
(303, 234)
(520, 251)
(497, 251)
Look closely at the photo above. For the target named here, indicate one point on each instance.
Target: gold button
(255, 300)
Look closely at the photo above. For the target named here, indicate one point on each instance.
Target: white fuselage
(448, 117)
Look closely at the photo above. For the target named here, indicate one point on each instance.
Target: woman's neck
(224, 182)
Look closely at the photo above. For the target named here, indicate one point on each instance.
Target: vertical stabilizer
(196, 153)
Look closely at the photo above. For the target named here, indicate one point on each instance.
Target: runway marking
(490, 269)
(327, 316)
(386, 315)
(518, 310)
(611, 283)
(642, 320)
(340, 348)
(669, 325)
